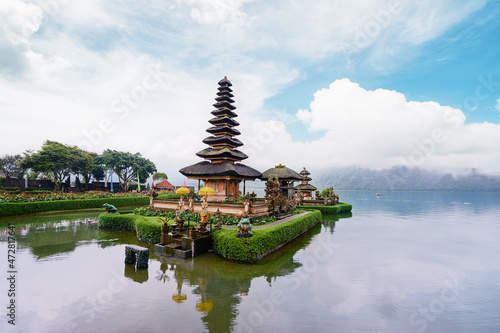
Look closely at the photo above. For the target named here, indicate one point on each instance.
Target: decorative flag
(138, 182)
(185, 182)
(111, 179)
(153, 184)
(106, 181)
(26, 180)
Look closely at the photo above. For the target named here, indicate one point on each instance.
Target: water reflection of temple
(328, 220)
(220, 285)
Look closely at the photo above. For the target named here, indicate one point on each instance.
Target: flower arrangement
(52, 196)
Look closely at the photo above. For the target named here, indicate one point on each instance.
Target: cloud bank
(141, 76)
(381, 128)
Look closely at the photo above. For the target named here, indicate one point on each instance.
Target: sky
(320, 84)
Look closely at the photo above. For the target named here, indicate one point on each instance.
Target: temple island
(223, 193)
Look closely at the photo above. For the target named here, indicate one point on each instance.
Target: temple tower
(305, 187)
(222, 169)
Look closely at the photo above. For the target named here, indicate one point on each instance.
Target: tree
(9, 165)
(87, 167)
(84, 165)
(55, 159)
(159, 176)
(126, 166)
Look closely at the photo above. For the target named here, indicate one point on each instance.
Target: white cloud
(18, 21)
(75, 59)
(381, 128)
(222, 13)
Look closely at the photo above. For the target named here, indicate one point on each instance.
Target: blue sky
(317, 84)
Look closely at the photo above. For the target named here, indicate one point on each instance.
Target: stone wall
(32, 183)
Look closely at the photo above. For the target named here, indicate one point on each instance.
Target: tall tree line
(57, 161)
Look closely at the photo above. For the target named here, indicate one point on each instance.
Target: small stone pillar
(218, 226)
(137, 255)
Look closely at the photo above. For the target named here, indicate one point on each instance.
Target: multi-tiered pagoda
(305, 187)
(221, 169)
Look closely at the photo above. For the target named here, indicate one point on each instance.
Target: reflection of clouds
(380, 262)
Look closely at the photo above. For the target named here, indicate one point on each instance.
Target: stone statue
(331, 199)
(244, 228)
(298, 198)
(110, 208)
(152, 195)
(247, 202)
(180, 213)
(204, 211)
(191, 200)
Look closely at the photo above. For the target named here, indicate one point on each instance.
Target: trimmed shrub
(18, 208)
(340, 208)
(148, 230)
(117, 221)
(170, 196)
(263, 241)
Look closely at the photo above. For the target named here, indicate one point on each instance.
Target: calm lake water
(401, 262)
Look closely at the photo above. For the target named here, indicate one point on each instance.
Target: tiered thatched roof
(221, 156)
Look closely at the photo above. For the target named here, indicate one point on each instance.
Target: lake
(401, 262)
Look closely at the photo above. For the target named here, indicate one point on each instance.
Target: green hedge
(148, 229)
(17, 208)
(117, 221)
(340, 208)
(252, 249)
(170, 196)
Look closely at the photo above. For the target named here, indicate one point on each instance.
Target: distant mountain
(402, 178)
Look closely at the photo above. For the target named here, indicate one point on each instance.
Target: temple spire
(221, 169)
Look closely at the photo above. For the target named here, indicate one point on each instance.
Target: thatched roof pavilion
(165, 184)
(285, 176)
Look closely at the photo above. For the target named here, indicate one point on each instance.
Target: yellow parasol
(206, 191)
(182, 190)
(179, 298)
(205, 306)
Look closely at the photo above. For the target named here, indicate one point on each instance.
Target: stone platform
(259, 208)
(183, 247)
(137, 255)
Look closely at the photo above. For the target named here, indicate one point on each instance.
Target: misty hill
(402, 178)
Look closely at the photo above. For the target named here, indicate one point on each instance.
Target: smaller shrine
(165, 185)
(304, 188)
(285, 176)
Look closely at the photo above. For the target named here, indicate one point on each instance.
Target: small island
(219, 216)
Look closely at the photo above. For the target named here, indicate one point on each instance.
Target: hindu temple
(304, 187)
(286, 178)
(221, 168)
